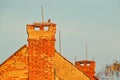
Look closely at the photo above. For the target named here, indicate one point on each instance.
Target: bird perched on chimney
(49, 20)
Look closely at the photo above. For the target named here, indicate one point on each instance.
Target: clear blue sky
(95, 22)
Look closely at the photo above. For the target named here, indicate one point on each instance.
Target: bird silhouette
(49, 20)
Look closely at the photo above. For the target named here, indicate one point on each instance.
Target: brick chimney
(88, 67)
(41, 50)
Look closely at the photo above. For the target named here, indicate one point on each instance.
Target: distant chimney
(87, 66)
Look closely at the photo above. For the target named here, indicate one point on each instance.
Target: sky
(92, 22)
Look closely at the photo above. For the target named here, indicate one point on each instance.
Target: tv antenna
(75, 59)
(86, 52)
(42, 13)
(93, 58)
(60, 40)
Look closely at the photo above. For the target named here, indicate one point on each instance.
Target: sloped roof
(16, 67)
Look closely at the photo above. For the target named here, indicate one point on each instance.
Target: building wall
(38, 60)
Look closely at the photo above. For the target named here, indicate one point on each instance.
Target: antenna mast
(86, 51)
(75, 58)
(93, 58)
(42, 13)
(60, 40)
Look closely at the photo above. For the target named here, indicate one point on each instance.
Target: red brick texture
(41, 51)
(88, 67)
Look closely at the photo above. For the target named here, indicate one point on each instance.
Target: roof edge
(72, 64)
(13, 54)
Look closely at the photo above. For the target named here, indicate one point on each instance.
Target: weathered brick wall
(15, 67)
(41, 57)
(64, 70)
